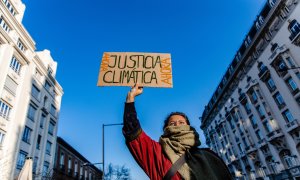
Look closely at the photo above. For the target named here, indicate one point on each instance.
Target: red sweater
(147, 152)
(149, 155)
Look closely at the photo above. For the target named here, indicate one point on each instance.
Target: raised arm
(131, 128)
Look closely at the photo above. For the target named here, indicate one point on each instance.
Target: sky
(201, 36)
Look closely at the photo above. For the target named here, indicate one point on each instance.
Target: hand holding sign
(136, 90)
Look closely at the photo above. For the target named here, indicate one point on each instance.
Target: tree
(116, 172)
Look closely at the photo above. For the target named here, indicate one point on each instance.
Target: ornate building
(70, 164)
(30, 97)
(252, 120)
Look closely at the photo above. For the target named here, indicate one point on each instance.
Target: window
(290, 161)
(10, 85)
(288, 116)
(281, 65)
(247, 108)
(290, 61)
(70, 166)
(27, 135)
(21, 45)
(51, 127)
(270, 84)
(260, 111)
(229, 119)
(4, 25)
(298, 75)
(50, 71)
(81, 171)
(45, 101)
(38, 143)
(35, 92)
(9, 7)
(258, 134)
(273, 167)
(267, 126)
(21, 159)
(47, 85)
(253, 121)
(76, 168)
(53, 110)
(272, 2)
(15, 65)
(294, 28)
(291, 84)
(62, 159)
(35, 161)
(2, 135)
(240, 147)
(45, 168)
(42, 120)
(31, 112)
(245, 142)
(48, 147)
(4, 110)
(253, 97)
(279, 100)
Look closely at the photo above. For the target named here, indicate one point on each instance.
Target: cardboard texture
(129, 68)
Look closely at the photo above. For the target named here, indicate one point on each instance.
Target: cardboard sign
(129, 68)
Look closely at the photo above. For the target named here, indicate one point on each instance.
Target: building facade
(70, 164)
(252, 120)
(30, 97)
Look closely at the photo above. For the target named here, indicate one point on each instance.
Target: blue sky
(202, 37)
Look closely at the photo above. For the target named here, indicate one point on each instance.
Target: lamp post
(104, 125)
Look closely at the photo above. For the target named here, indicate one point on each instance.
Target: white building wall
(257, 158)
(17, 94)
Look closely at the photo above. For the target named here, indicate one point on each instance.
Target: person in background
(176, 155)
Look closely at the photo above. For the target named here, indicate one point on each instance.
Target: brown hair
(175, 113)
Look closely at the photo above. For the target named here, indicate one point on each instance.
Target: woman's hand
(135, 91)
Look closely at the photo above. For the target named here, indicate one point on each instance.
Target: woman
(161, 160)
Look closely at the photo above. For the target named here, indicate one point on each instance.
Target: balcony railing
(263, 72)
(277, 51)
(243, 98)
(274, 134)
(292, 125)
(262, 142)
(294, 35)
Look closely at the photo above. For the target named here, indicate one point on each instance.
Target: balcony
(292, 125)
(277, 52)
(250, 148)
(295, 38)
(213, 131)
(274, 134)
(243, 98)
(262, 142)
(243, 153)
(264, 73)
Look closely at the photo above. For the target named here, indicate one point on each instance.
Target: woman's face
(177, 120)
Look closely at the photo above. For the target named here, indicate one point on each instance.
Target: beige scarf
(175, 141)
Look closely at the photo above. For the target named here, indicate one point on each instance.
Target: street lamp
(104, 125)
